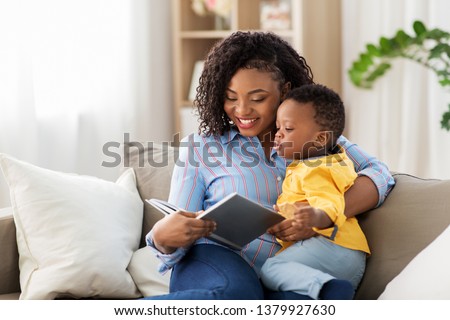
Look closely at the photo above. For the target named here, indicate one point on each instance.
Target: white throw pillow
(144, 270)
(426, 277)
(75, 234)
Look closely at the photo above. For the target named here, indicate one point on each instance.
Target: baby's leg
(307, 265)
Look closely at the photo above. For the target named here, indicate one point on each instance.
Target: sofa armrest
(9, 262)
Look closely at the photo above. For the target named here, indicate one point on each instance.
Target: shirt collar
(229, 136)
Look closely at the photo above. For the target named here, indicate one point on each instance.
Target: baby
(309, 122)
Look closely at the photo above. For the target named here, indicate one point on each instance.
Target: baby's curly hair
(253, 50)
(330, 111)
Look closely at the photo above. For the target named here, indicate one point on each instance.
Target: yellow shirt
(322, 182)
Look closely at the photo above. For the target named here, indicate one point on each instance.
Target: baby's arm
(309, 217)
(324, 189)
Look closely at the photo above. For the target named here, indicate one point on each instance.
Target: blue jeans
(211, 272)
(307, 265)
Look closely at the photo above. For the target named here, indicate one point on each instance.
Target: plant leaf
(445, 122)
(355, 77)
(385, 45)
(360, 66)
(438, 50)
(402, 38)
(419, 27)
(437, 34)
(366, 59)
(444, 82)
(373, 50)
(378, 72)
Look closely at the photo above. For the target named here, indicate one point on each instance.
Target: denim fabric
(307, 265)
(216, 273)
(213, 273)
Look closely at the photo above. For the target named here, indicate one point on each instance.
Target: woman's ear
(285, 89)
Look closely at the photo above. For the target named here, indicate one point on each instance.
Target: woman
(244, 80)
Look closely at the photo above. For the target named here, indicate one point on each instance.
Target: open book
(239, 220)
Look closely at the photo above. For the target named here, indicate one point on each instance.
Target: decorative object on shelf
(275, 14)
(430, 48)
(222, 23)
(220, 8)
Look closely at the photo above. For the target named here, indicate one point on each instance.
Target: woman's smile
(246, 123)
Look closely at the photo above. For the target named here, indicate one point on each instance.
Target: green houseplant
(430, 48)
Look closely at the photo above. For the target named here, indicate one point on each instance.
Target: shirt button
(279, 178)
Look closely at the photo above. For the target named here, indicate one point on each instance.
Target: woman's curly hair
(260, 50)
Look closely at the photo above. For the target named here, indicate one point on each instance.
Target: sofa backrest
(413, 215)
(9, 270)
(153, 165)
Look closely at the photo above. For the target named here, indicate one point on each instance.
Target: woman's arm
(171, 235)
(373, 184)
(361, 197)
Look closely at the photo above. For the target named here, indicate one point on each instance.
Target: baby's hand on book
(287, 231)
(309, 217)
(306, 217)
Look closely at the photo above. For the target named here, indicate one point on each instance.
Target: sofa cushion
(153, 165)
(413, 215)
(10, 296)
(426, 277)
(75, 234)
(144, 270)
(9, 262)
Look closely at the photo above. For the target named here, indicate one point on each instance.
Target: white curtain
(77, 74)
(399, 119)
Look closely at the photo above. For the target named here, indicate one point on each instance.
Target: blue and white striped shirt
(211, 167)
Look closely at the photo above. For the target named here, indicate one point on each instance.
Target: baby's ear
(323, 138)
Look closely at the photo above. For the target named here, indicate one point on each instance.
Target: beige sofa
(414, 215)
